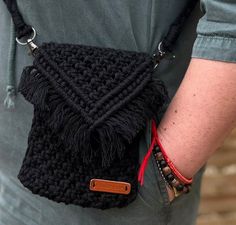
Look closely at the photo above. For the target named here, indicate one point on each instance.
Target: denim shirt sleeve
(216, 31)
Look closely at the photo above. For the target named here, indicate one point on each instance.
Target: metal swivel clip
(157, 57)
(29, 42)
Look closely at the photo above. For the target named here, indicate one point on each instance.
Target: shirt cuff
(215, 48)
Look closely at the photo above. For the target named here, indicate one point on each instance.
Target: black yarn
(50, 169)
(176, 27)
(22, 29)
(94, 91)
(90, 106)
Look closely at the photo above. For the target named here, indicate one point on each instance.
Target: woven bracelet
(171, 174)
(182, 178)
(168, 176)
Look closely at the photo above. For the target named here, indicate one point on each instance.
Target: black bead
(170, 177)
(187, 189)
(163, 163)
(157, 149)
(180, 187)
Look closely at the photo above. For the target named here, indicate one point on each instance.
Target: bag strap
(166, 45)
(21, 28)
(176, 27)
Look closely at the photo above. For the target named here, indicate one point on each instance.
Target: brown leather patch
(111, 186)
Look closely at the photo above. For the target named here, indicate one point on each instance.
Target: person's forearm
(201, 114)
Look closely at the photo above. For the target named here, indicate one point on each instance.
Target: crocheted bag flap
(98, 99)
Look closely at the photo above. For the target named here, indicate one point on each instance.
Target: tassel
(9, 101)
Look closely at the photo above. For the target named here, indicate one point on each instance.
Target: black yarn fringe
(108, 139)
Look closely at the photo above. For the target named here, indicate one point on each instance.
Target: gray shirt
(125, 24)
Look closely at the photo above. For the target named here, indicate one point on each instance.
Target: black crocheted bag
(90, 106)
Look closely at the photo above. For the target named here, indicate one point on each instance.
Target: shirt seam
(215, 37)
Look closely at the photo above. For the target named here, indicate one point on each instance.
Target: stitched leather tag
(117, 187)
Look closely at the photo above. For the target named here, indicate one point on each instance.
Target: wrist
(176, 183)
(176, 154)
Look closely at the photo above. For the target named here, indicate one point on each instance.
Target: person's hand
(170, 193)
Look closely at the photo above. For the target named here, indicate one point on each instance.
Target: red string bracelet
(155, 140)
(145, 161)
(169, 162)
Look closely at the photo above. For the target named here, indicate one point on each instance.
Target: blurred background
(218, 190)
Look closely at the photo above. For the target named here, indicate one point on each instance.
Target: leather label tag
(111, 186)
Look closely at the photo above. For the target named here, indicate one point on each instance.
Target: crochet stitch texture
(90, 105)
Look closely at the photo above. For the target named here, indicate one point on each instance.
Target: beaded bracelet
(170, 174)
(169, 162)
(171, 165)
(170, 179)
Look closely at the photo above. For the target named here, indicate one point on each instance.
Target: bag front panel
(52, 170)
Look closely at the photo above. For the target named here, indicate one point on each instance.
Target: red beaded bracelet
(169, 162)
(155, 140)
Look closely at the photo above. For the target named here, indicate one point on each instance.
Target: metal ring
(159, 48)
(28, 40)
